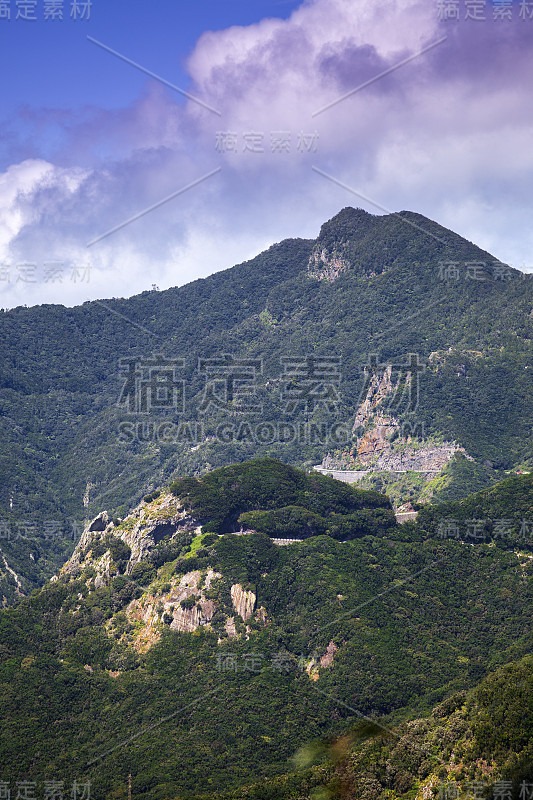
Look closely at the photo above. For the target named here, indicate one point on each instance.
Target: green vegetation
(196, 545)
(60, 379)
(409, 621)
(423, 628)
(460, 478)
(120, 552)
(297, 522)
(223, 496)
(502, 514)
(153, 496)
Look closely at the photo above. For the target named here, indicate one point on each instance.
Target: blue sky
(107, 173)
(52, 64)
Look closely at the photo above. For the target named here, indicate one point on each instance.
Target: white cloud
(445, 135)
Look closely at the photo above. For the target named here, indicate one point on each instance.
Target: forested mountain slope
(370, 291)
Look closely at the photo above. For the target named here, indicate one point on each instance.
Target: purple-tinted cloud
(448, 135)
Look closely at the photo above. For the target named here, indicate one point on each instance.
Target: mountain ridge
(62, 457)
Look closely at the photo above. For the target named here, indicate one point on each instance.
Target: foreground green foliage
(412, 622)
(474, 744)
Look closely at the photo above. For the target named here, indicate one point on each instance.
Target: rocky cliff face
(141, 531)
(243, 601)
(315, 664)
(148, 611)
(181, 601)
(327, 658)
(379, 387)
(325, 265)
(184, 607)
(376, 440)
(383, 445)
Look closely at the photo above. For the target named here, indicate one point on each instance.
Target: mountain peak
(347, 223)
(333, 251)
(370, 244)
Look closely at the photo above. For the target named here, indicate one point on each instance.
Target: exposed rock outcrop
(150, 609)
(243, 601)
(261, 615)
(327, 658)
(376, 440)
(180, 601)
(313, 665)
(100, 523)
(378, 389)
(383, 444)
(142, 530)
(325, 265)
(430, 459)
